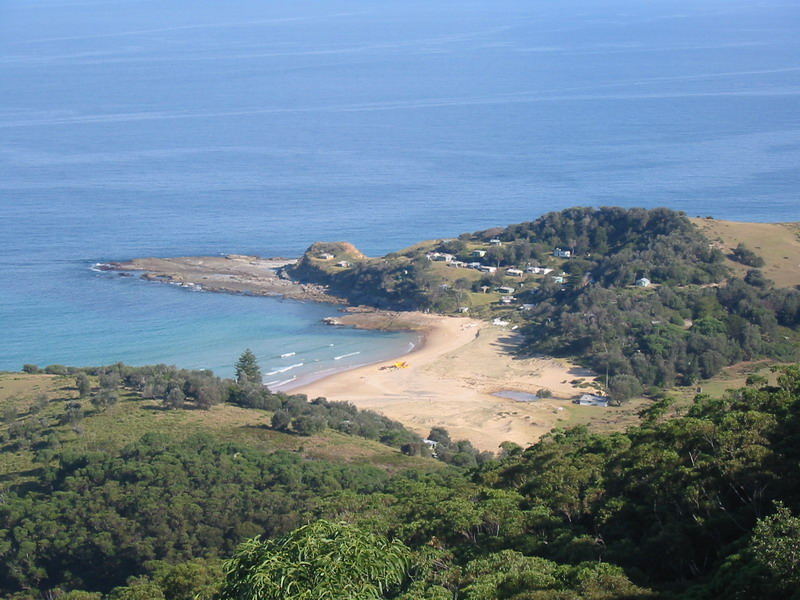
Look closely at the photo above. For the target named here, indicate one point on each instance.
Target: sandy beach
(451, 376)
(450, 380)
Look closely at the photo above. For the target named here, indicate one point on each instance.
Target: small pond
(518, 396)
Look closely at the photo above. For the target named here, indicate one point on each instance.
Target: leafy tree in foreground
(320, 561)
(776, 545)
(247, 369)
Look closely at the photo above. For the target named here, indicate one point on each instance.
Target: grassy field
(777, 243)
(40, 400)
(619, 418)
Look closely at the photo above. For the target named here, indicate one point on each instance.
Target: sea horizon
(260, 128)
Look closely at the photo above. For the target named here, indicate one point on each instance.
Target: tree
(746, 256)
(247, 369)
(83, 384)
(440, 435)
(308, 424)
(73, 412)
(175, 398)
(320, 561)
(193, 580)
(138, 588)
(624, 387)
(776, 545)
(281, 420)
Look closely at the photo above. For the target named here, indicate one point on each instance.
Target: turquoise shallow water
(135, 127)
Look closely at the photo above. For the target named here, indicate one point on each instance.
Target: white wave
(269, 383)
(285, 381)
(345, 355)
(284, 369)
(288, 354)
(100, 267)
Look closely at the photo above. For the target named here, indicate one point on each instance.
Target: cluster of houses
(506, 291)
(451, 261)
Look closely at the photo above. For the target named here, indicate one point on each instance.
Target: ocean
(138, 128)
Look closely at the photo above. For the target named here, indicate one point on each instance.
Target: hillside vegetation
(643, 297)
(697, 502)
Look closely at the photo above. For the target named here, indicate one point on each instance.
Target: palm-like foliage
(320, 561)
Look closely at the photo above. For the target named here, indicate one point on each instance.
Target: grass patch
(33, 410)
(777, 243)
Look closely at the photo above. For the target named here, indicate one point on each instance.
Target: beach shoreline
(448, 379)
(449, 382)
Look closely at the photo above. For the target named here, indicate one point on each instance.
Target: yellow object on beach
(401, 365)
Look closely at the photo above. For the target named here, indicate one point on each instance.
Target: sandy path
(449, 383)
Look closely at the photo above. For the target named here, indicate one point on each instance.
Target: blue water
(170, 127)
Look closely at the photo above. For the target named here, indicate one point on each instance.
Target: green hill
(643, 297)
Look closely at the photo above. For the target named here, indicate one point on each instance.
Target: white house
(514, 272)
(591, 400)
(495, 242)
(527, 307)
(478, 253)
(487, 269)
(474, 265)
(558, 279)
(343, 263)
(505, 289)
(325, 256)
(507, 299)
(559, 253)
(539, 270)
(440, 257)
(643, 282)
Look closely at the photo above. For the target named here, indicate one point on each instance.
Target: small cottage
(539, 270)
(440, 257)
(643, 282)
(591, 400)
